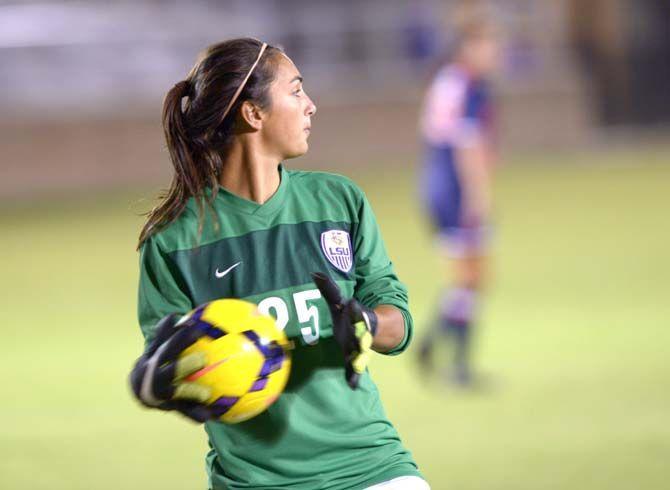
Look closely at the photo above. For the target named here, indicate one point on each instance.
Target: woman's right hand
(157, 379)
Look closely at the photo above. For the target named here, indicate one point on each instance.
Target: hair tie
(183, 88)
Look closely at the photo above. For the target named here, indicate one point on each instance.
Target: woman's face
(288, 120)
(483, 55)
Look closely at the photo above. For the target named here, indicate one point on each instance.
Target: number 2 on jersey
(307, 314)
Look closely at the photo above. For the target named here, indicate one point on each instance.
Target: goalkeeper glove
(354, 326)
(157, 379)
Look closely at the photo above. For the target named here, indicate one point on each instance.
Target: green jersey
(319, 433)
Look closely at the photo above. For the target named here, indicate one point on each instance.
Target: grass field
(576, 333)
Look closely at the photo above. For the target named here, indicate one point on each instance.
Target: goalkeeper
(305, 247)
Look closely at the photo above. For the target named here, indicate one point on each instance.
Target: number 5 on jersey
(308, 314)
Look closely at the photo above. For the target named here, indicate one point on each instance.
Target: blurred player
(456, 125)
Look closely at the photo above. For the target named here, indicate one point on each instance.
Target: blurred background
(576, 327)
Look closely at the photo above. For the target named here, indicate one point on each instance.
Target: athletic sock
(458, 311)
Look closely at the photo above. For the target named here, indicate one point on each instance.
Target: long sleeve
(161, 289)
(376, 280)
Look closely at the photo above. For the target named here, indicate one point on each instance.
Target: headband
(244, 82)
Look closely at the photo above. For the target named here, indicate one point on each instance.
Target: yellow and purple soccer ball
(248, 357)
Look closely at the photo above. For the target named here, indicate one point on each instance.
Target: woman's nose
(311, 108)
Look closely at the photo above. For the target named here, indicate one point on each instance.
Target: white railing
(104, 56)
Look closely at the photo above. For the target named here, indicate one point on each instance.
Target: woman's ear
(251, 114)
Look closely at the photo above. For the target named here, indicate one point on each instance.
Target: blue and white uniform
(457, 113)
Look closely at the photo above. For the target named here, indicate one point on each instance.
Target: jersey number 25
(307, 314)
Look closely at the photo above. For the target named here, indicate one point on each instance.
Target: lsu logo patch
(336, 246)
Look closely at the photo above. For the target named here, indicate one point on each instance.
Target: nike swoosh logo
(206, 369)
(220, 274)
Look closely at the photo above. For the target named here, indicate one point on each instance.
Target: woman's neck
(250, 175)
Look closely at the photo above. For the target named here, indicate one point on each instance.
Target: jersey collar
(247, 206)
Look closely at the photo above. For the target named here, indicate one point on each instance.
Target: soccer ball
(248, 357)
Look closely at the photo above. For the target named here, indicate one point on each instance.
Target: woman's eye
(298, 92)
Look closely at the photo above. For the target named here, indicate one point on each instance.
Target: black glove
(157, 378)
(354, 326)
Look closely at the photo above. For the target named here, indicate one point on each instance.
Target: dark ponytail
(196, 133)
